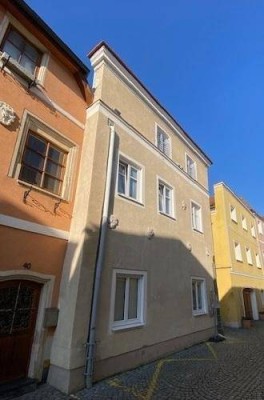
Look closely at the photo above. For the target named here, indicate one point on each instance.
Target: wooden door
(247, 303)
(19, 301)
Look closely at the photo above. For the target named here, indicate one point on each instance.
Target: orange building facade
(43, 99)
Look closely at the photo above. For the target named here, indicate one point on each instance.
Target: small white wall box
(51, 317)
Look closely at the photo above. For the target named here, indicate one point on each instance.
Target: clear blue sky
(204, 61)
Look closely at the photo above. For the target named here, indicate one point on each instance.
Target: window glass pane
(28, 64)
(56, 155)
(10, 49)
(16, 39)
(53, 169)
(133, 298)
(161, 189)
(51, 184)
(30, 175)
(120, 299)
(33, 159)
(194, 295)
(122, 179)
(31, 53)
(37, 144)
(133, 188)
(168, 204)
(199, 295)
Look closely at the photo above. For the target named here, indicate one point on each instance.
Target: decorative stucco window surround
(31, 123)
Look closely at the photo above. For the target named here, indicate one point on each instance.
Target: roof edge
(104, 44)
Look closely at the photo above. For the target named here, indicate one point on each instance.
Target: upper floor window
(258, 263)
(163, 141)
(260, 227)
(196, 214)
(129, 180)
(191, 167)
(253, 230)
(21, 50)
(244, 223)
(238, 253)
(249, 256)
(165, 199)
(43, 164)
(233, 213)
(43, 158)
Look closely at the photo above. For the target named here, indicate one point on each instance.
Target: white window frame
(249, 256)
(260, 227)
(141, 303)
(258, 261)
(123, 159)
(171, 190)
(233, 213)
(193, 172)
(165, 150)
(42, 69)
(253, 231)
(204, 308)
(30, 122)
(238, 252)
(244, 222)
(196, 206)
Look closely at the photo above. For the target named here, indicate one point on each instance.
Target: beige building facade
(140, 248)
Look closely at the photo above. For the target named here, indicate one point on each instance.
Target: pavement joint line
(154, 379)
(210, 347)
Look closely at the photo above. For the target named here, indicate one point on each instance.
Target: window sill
(116, 328)
(167, 215)
(197, 230)
(124, 197)
(199, 313)
(11, 65)
(38, 189)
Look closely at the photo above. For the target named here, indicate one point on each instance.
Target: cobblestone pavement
(232, 369)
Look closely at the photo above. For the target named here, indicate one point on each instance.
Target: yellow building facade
(238, 261)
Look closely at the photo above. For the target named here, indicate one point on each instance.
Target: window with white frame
(165, 199)
(191, 167)
(196, 215)
(43, 159)
(249, 256)
(129, 297)
(233, 213)
(163, 141)
(253, 230)
(244, 223)
(258, 263)
(129, 180)
(199, 304)
(238, 253)
(260, 227)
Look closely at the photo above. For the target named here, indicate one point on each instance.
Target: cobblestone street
(232, 369)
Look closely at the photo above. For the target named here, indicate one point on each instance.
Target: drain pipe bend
(99, 262)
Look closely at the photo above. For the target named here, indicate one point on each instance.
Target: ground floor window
(129, 294)
(199, 304)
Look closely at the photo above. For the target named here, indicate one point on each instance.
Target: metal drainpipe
(99, 262)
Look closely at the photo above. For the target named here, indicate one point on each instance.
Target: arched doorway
(19, 300)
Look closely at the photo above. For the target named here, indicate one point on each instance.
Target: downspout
(99, 262)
